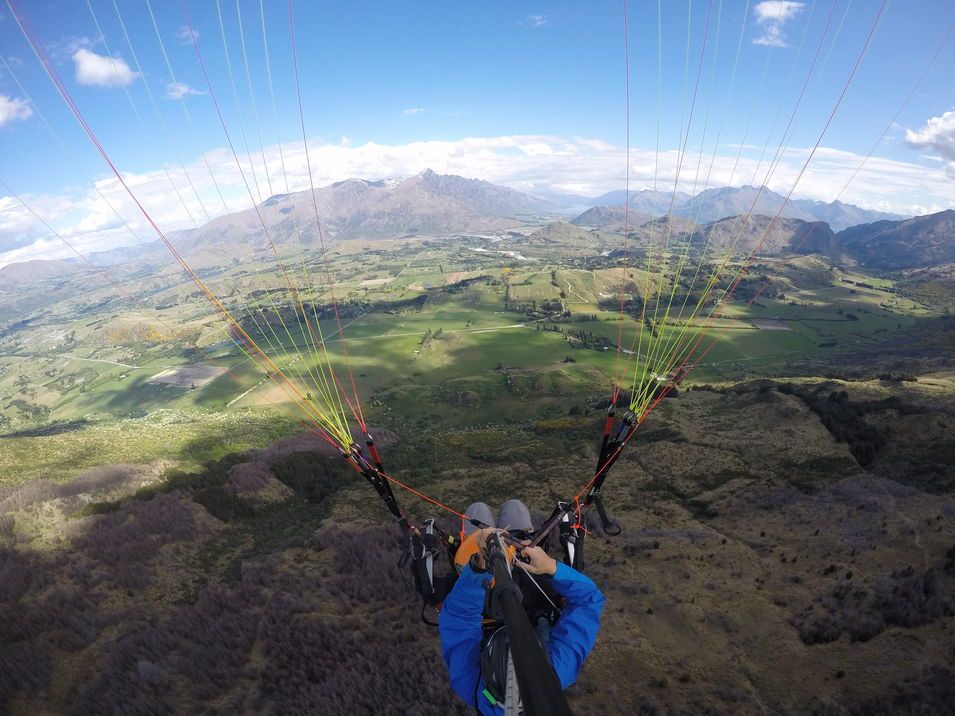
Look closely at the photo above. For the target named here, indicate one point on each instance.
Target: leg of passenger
(478, 511)
(515, 517)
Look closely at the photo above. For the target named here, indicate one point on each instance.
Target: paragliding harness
(423, 545)
(428, 544)
(510, 605)
(571, 533)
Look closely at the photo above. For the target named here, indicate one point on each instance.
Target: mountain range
(771, 238)
(922, 241)
(427, 203)
(723, 202)
(435, 204)
(14, 276)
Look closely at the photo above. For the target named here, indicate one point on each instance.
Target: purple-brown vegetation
(285, 642)
(904, 598)
(99, 481)
(24, 664)
(932, 691)
(249, 477)
(123, 542)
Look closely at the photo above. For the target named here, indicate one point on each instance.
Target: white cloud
(19, 228)
(178, 90)
(938, 134)
(776, 10)
(411, 111)
(13, 108)
(65, 47)
(771, 17)
(14, 61)
(186, 35)
(102, 70)
(537, 20)
(43, 248)
(526, 163)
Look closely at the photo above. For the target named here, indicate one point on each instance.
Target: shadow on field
(57, 427)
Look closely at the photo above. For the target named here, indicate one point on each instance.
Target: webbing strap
(608, 526)
(382, 486)
(571, 538)
(512, 693)
(610, 449)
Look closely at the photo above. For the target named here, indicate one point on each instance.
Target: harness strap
(608, 526)
(571, 537)
(426, 544)
(374, 477)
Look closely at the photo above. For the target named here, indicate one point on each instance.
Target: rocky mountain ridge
(435, 204)
(723, 202)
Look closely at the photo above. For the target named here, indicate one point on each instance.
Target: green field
(436, 335)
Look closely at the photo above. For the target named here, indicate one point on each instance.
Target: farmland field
(506, 339)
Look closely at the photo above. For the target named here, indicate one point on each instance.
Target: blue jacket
(571, 638)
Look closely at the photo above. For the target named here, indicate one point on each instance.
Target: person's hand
(538, 561)
(481, 539)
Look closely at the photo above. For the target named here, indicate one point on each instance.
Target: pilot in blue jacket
(570, 639)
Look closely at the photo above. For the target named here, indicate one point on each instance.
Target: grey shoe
(515, 517)
(478, 511)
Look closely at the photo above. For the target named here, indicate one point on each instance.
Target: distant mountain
(14, 277)
(645, 201)
(664, 229)
(840, 215)
(571, 204)
(612, 218)
(562, 232)
(891, 245)
(716, 204)
(786, 236)
(476, 195)
(428, 203)
(920, 242)
(722, 202)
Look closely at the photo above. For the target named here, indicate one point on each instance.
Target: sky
(531, 95)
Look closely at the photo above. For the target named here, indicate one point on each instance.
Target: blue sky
(527, 94)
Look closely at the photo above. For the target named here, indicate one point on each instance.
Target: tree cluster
(123, 543)
(286, 641)
(904, 598)
(844, 418)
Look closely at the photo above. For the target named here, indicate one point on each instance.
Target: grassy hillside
(170, 538)
(756, 552)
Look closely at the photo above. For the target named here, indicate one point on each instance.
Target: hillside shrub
(124, 541)
(311, 475)
(904, 599)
